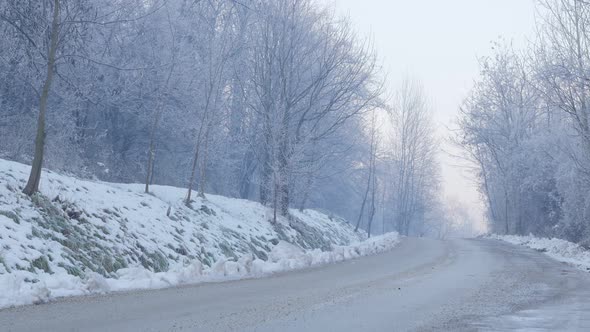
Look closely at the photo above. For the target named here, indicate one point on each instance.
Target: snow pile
(286, 256)
(87, 237)
(17, 289)
(561, 250)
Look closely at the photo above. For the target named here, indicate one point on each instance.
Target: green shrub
(10, 215)
(41, 263)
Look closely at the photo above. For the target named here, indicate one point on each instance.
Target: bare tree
(496, 122)
(216, 19)
(413, 151)
(371, 178)
(35, 175)
(163, 91)
(307, 83)
(55, 33)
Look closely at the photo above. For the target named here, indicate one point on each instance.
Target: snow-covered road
(421, 285)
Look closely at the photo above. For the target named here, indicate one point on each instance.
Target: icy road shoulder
(560, 250)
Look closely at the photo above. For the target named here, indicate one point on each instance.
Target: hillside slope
(83, 237)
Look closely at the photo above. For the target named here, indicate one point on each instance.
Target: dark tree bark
(35, 176)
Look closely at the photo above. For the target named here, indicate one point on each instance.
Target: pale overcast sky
(438, 42)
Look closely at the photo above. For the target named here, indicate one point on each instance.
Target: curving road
(422, 285)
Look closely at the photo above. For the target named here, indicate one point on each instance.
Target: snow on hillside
(558, 249)
(83, 237)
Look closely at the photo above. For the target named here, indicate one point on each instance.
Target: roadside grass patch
(10, 215)
(41, 263)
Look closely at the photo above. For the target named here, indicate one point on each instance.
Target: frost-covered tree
(263, 100)
(525, 126)
(309, 76)
(414, 178)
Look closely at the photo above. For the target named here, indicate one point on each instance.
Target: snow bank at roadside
(85, 237)
(18, 290)
(561, 250)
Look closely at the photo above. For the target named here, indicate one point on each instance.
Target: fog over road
(421, 285)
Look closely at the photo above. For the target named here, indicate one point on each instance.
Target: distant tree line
(525, 125)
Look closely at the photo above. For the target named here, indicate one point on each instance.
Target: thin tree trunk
(306, 191)
(35, 175)
(196, 158)
(358, 221)
(266, 181)
(266, 178)
(152, 147)
(192, 176)
(246, 172)
(284, 171)
(204, 120)
(151, 178)
(371, 170)
(275, 202)
(203, 177)
(506, 212)
(371, 211)
(151, 158)
(383, 209)
(285, 198)
(310, 179)
(373, 193)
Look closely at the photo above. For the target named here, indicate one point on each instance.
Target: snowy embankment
(86, 237)
(560, 250)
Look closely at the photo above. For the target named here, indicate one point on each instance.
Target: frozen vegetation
(84, 237)
(148, 144)
(525, 126)
(218, 97)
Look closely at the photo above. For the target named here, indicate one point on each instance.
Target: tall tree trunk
(195, 161)
(35, 175)
(373, 194)
(266, 178)
(284, 171)
(285, 198)
(275, 201)
(370, 177)
(151, 157)
(192, 176)
(371, 211)
(266, 182)
(152, 147)
(203, 177)
(246, 171)
(358, 221)
(306, 191)
(383, 209)
(507, 230)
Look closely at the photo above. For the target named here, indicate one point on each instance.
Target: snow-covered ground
(85, 237)
(558, 249)
(422, 285)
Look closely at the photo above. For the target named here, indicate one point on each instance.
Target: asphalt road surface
(422, 285)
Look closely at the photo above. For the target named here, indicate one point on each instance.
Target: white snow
(560, 250)
(88, 237)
